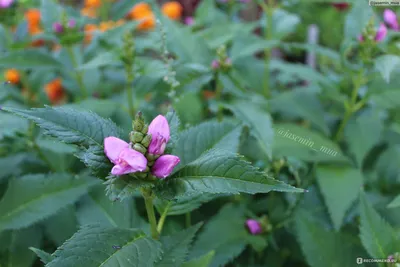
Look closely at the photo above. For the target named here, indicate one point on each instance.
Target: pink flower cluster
(6, 3)
(390, 18)
(127, 160)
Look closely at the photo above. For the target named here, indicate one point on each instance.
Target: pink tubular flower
(391, 19)
(215, 64)
(125, 159)
(159, 130)
(189, 21)
(254, 226)
(58, 27)
(381, 33)
(164, 165)
(6, 3)
(71, 23)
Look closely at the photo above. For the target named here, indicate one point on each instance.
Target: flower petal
(135, 159)
(164, 165)
(159, 126)
(118, 170)
(254, 226)
(381, 33)
(113, 146)
(391, 19)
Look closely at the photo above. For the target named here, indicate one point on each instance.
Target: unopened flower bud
(138, 147)
(58, 27)
(145, 129)
(215, 64)
(146, 140)
(71, 23)
(254, 226)
(137, 137)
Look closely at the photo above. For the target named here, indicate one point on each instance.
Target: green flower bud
(150, 163)
(141, 175)
(138, 147)
(145, 129)
(137, 137)
(138, 123)
(151, 157)
(146, 140)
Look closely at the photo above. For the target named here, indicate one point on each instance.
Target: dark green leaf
(43, 255)
(29, 59)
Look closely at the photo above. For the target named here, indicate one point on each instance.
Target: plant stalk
(78, 74)
(188, 219)
(218, 94)
(268, 11)
(148, 200)
(163, 217)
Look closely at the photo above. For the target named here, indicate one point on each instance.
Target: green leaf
(12, 165)
(222, 172)
(65, 217)
(309, 108)
(247, 47)
(95, 245)
(295, 141)
(69, 125)
(389, 99)
(395, 202)
(15, 246)
(189, 101)
(228, 238)
(174, 126)
(193, 142)
(176, 247)
(320, 246)
(50, 12)
(122, 187)
(362, 134)
(120, 9)
(259, 122)
(203, 261)
(29, 59)
(39, 196)
(283, 23)
(338, 186)
(43, 255)
(11, 124)
(183, 205)
(83, 128)
(96, 208)
(101, 60)
(377, 236)
(386, 64)
(97, 106)
(357, 19)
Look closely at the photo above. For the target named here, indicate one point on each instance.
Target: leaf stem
(78, 74)
(268, 11)
(218, 94)
(148, 201)
(163, 217)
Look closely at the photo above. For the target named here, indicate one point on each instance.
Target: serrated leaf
(29, 59)
(184, 204)
(69, 125)
(259, 122)
(120, 188)
(395, 202)
(96, 208)
(207, 135)
(203, 261)
(362, 134)
(339, 187)
(176, 247)
(43, 255)
(39, 196)
(221, 172)
(65, 217)
(174, 125)
(320, 245)
(226, 238)
(95, 245)
(377, 236)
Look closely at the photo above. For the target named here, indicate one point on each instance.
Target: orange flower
(139, 11)
(92, 3)
(12, 76)
(38, 43)
(55, 92)
(88, 30)
(148, 21)
(172, 10)
(119, 22)
(33, 16)
(89, 12)
(106, 25)
(207, 94)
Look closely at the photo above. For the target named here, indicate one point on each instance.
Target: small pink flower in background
(391, 19)
(228, 61)
(189, 21)
(254, 226)
(71, 23)
(381, 33)
(379, 36)
(164, 165)
(58, 27)
(6, 3)
(125, 159)
(215, 64)
(159, 130)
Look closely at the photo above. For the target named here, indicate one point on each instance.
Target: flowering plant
(178, 134)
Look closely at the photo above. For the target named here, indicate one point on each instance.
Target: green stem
(129, 95)
(163, 217)
(148, 200)
(268, 11)
(37, 149)
(78, 74)
(218, 94)
(188, 219)
(351, 107)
